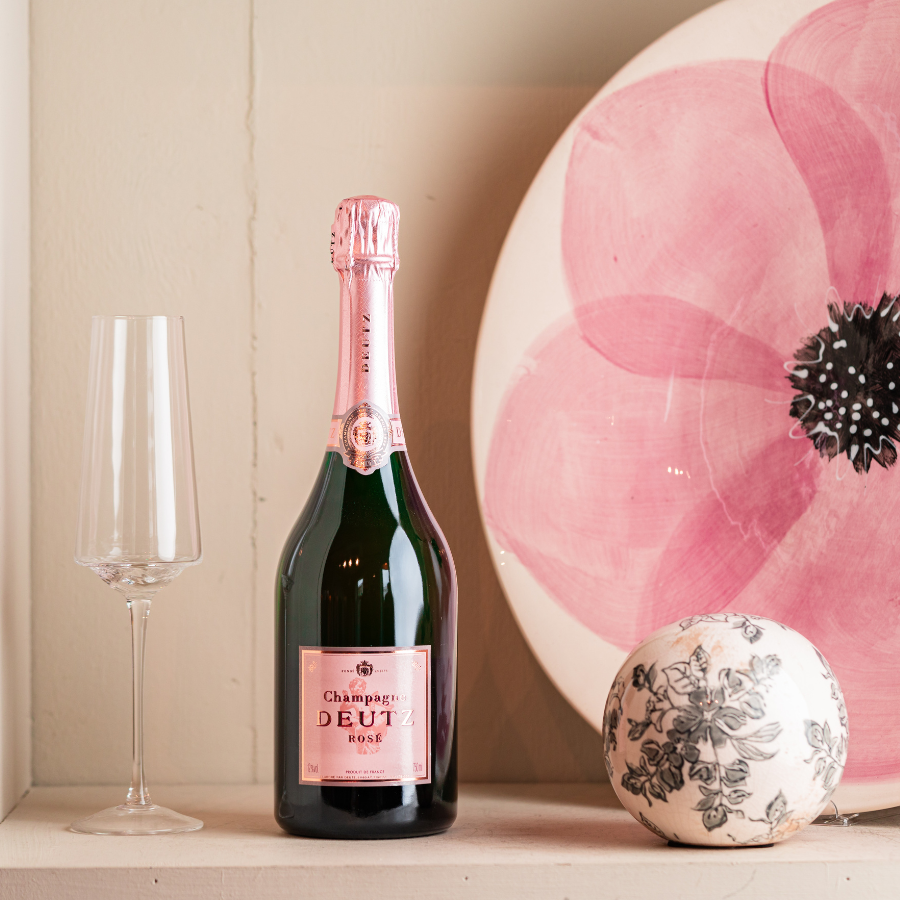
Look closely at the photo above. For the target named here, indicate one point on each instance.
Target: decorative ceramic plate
(684, 391)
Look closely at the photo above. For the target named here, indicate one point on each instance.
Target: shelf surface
(554, 842)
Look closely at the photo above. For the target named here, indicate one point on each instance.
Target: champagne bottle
(366, 593)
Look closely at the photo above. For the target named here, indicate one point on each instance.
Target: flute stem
(138, 795)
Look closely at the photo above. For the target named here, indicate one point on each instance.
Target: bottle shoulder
(345, 505)
(316, 503)
(421, 520)
(366, 564)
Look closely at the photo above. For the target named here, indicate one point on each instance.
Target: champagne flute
(138, 526)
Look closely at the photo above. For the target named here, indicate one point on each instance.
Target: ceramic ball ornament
(725, 730)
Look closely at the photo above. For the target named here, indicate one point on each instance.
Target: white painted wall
(15, 500)
(187, 158)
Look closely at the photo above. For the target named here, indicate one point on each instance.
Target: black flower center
(847, 379)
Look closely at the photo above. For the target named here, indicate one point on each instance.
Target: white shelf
(524, 841)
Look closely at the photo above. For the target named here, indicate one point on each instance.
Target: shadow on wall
(514, 726)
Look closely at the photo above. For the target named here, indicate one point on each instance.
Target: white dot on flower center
(842, 410)
(829, 403)
(829, 415)
(838, 425)
(885, 422)
(855, 417)
(821, 405)
(852, 429)
(822, 379)
(867, 432)
(834, 385)
(844, 394)
(857, 405)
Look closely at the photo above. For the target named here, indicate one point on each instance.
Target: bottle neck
(366, 363)
(365, 424)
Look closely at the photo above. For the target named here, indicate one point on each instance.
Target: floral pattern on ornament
(829, 747)
(612, 717)
(829, 752)
(837, 696)
(700, 717)
(747, 624)
(779, 822)
(650, 826)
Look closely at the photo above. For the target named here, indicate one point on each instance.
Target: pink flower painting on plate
(715, 428)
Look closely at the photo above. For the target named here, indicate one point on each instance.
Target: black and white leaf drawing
(696, 719)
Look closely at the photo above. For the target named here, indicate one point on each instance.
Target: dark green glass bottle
(366, 594)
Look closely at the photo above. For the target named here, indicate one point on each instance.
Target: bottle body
(401, 593)
(366, 615)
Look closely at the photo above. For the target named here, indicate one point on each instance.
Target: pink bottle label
(365, 715)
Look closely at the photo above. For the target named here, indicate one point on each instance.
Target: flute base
(136, 819)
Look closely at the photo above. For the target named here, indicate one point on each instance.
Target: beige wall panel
(15, 408)
(141, 205)
(187, 158)
(448, 109)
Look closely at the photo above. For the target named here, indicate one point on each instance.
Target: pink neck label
(366, 436)
(365, 715)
